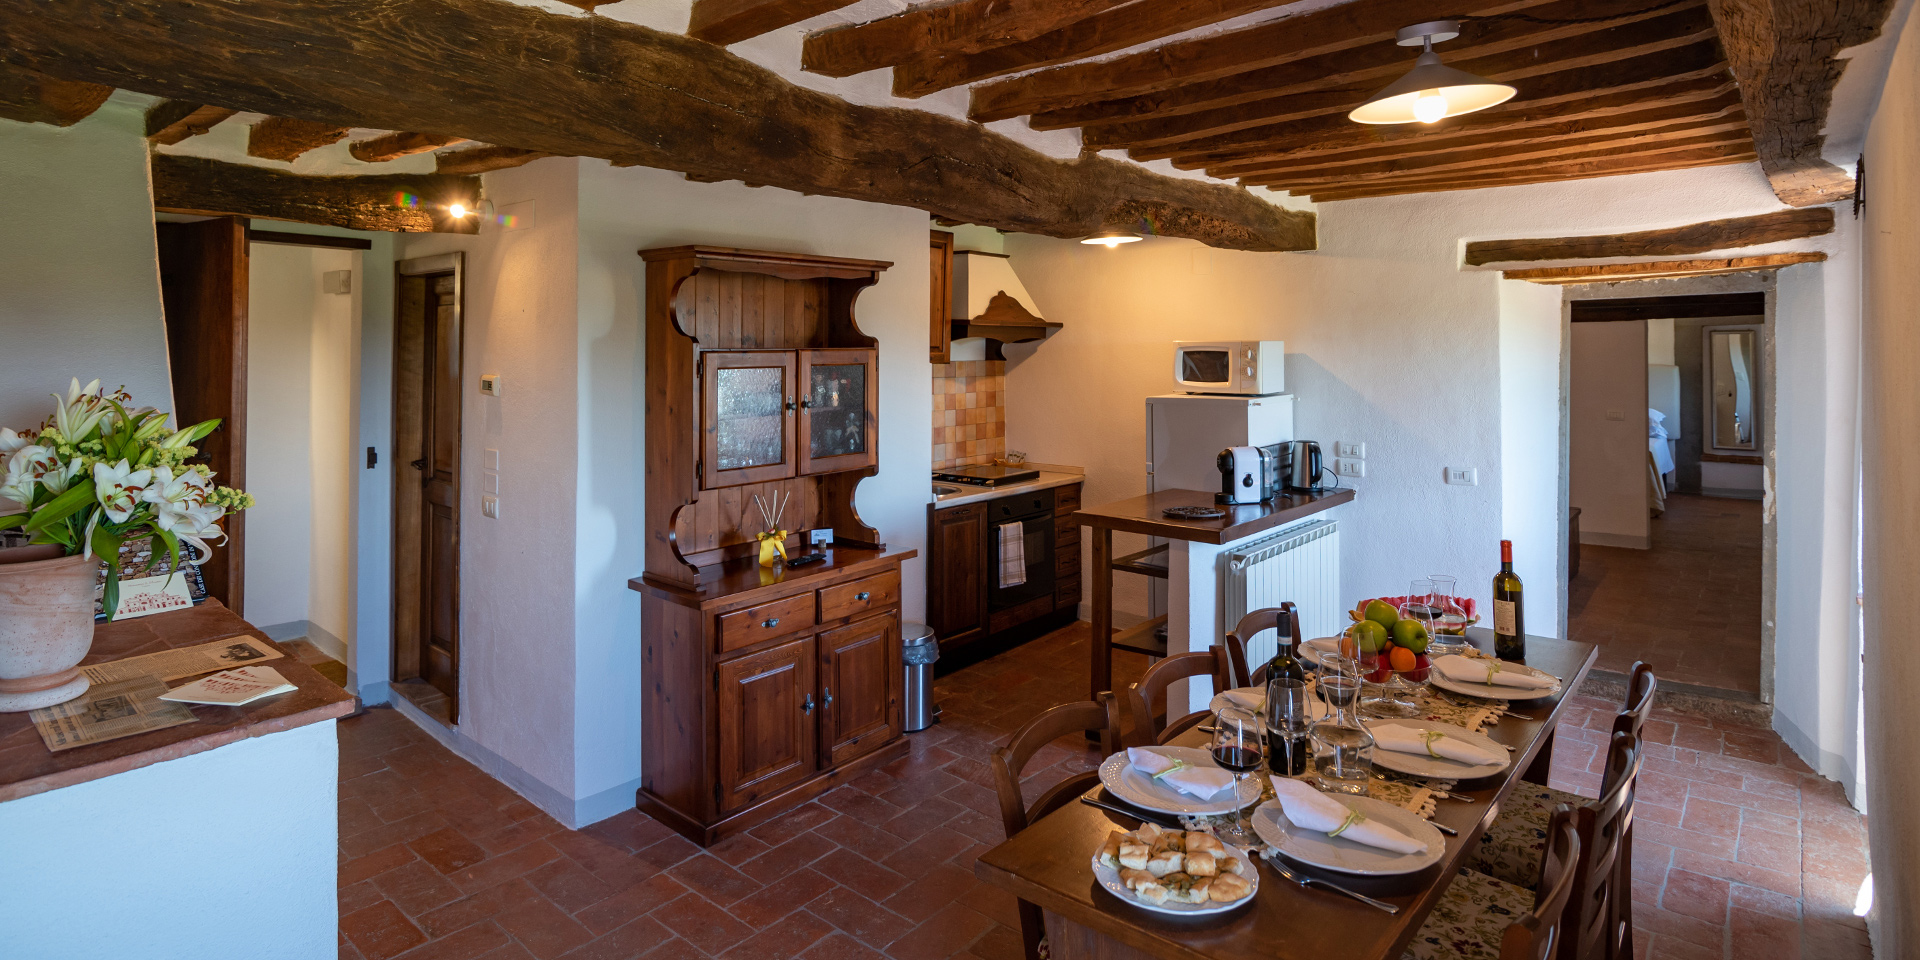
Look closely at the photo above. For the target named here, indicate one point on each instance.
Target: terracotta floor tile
(568, 885)
(778, 899)
(1696, 896)
(485, 905)
(842, 947)
(920, 900)
(474, 941)
(859, 917)
(790, 937)
(701, 923)
(641, 898)
(544, 929)
(380, 861)
(505, 866)
(381, 931)
(948, 932)
(416, 888)
(636, 939)
(789, 856)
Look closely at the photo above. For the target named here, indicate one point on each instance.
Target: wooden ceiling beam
(1337, 45)
(599, 87)
(393, 146)
(484, 159)
(1116, 29)
(1517, 57)
(959, 27)
(1786, 55)
(211, 188)
(172, 121)
(30, 97)
(285, 138)
(1727, 234)
(1644, 71)
(1732, 134)
(1707, 157)
(1328, 135)
(722, 22)
(1660, 269)
(1618, 126)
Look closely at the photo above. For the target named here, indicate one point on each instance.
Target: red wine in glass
(1237, 759)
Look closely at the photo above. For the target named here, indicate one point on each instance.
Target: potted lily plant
(95, 474)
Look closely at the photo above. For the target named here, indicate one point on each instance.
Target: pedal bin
(919, 648)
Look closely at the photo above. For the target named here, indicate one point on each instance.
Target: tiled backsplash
(969, 412)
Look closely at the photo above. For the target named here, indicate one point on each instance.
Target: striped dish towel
(1013, 554)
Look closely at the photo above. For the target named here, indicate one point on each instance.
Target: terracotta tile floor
(1740, 852)
(1690, 606)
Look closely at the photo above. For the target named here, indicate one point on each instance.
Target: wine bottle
(1509, 618)
(1288, 748)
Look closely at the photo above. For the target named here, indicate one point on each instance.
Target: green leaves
(61, 507)
(106, 546)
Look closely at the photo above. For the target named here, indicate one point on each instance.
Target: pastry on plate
(1110, 851)
(1185, 888)
(1164, 862)
(1202, 865)
(1152, 893)
(1198, 842)
(1134, 879)
(1133, 854)
(1233, 865)
(1228, 887)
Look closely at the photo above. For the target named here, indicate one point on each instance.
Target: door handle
(828, 702)
(807, 706)
(420, 464)
(863, 596)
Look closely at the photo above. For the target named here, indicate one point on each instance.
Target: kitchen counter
(966, 493)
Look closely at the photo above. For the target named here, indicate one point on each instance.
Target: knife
(1136, 814)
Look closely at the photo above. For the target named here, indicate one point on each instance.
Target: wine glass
(1238, 745)
(1342, 747)
(1288, 713)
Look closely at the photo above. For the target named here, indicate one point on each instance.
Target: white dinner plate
(1316, 708)
(1314, 848)
(1119, 776)
(1421, 765)
(1494, 691)
(1110, 878)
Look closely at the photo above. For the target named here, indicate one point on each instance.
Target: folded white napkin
(1430, 743)
(1247, 698)
(1497, 672)
(1309, 809)
(1199, 781)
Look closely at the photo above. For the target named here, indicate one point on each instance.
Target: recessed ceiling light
(1431, 91)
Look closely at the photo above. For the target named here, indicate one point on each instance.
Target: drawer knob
(770, 622)
(863, 596)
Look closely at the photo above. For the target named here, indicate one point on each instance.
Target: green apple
(1411, 634)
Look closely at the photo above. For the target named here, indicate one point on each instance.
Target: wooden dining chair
(1283, 617)
(1148, 729)
(1099, 716)
(1482, 918)
(1592, 916)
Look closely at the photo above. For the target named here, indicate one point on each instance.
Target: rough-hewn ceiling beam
(285, 138)
(1346, 43)
(1727, 234)
(34, 98)
(1785, 53)
(591, 86)
(194, 185)
(731, 21)
(1659, 269)
(1106, 32)
(171, 121)
(483, 159)
(1545, 173)
(1516, 56)
(962, 26)
(393, 146)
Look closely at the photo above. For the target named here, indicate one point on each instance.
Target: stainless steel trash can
(919, 648)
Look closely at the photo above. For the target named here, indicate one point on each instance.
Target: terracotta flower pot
(46, 629)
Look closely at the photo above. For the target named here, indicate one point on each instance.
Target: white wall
(1660, 342)
(1609, 456)
(1533, 450)
(80, 294)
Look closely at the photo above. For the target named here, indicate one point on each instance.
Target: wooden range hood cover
(990, 301)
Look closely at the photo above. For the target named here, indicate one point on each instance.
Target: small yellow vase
(772, 542)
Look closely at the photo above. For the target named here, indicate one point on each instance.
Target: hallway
(1690, 606)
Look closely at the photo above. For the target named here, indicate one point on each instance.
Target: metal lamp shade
(1463, 92)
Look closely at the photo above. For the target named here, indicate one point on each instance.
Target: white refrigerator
(1186, 432)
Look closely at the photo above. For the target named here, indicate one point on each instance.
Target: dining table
(1049, 863)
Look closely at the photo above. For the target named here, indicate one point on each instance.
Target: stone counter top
(27, 767)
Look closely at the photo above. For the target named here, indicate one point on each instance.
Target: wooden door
(940, 295)
(747, 412)
(766, 712)
(860, 677)
(203, 292)
(956, 573)
(839, 423)
(427, 440)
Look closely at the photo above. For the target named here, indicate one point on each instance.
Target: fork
(1306, 881)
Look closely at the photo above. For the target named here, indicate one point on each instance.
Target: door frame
(407, 491)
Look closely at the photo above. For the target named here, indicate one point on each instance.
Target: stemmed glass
(1288, 714)
(1239, 741)
(1342, 747)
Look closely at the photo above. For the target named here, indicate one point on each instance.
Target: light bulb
(1109, 242)
(1429, 106)
(459, 211)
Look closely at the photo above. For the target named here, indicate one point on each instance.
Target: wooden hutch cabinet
(763, 686)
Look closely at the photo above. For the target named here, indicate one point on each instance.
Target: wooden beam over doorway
(1692, 238)
(1659, 269)
(194, 185)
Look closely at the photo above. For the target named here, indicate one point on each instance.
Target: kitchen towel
(1202, 782)
(1496, 672)
(1309, 809)
(1013, 554)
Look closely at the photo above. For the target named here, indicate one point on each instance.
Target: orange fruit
(1403, 659)
(1346, 647)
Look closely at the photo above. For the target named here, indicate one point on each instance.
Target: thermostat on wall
(490, 384)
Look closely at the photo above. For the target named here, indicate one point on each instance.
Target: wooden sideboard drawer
(775, 618)
(856, 597)
(1066, 499)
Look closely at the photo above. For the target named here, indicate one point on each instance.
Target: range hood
(989, 301)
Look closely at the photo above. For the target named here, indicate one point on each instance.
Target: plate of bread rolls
(1183, 872)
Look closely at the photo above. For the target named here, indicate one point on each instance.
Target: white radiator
(1301, 565)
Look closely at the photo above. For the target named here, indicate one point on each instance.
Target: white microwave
(1249, 367)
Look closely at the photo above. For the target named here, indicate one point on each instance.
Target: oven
(1034, 513)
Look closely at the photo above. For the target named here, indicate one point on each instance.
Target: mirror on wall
(1732, 378)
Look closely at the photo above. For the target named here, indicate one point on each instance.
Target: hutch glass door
(747, 417)
(837, 415)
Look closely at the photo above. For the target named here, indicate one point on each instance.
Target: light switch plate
(1350, 468)
(492, 484)
(490, 459)
(337, 281)
(1465, 476)
(1351, 449)
(490, 507)
(490, 384)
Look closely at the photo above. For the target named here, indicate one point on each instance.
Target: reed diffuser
(773, 540)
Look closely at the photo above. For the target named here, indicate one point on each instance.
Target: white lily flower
(59, 479)
(76, 391)
(82, 411)
(27, 468)
(167, 488)
(11, 443)
(119, 488)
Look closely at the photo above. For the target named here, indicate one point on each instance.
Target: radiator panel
(1299, 564)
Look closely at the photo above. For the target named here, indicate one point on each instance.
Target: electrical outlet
(337, 281)
(490, 507)
(492, 484)
(1465, 476)
(1350, 449)
(1350, 468)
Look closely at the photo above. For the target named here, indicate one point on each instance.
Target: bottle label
(1503, 618)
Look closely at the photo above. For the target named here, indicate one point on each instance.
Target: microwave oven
(1247, 367)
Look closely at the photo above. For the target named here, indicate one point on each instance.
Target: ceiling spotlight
(1113, 238)
(458, 211)
(1431, 91)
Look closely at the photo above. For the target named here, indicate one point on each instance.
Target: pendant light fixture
(1431, 91)
(1113, 238)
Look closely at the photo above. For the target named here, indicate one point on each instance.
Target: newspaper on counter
(224, 654)
(108, 712)
(233, 688)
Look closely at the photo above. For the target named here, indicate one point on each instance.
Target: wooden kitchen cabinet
(839, 426)
(746, 416)
(957, 573)
(764, 707)
(860, 677)
(940, 291)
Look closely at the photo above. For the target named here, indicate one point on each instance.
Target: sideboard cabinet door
(860, 677)
(767, 710)
(747, 405)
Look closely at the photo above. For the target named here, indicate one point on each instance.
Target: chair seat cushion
(1514, 846)
(1470, 919)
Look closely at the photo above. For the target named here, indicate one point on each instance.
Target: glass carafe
(1342, 747)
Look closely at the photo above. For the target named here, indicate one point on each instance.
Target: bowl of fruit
(1392, 651)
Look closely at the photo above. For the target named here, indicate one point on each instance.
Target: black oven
(1034, 513)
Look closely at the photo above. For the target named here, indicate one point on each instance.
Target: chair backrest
(1147, 728)
(1604, 826)
(1007, 761)
(1639, 703)
(1633, 716)
(1536, 935)
(1283, 617)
